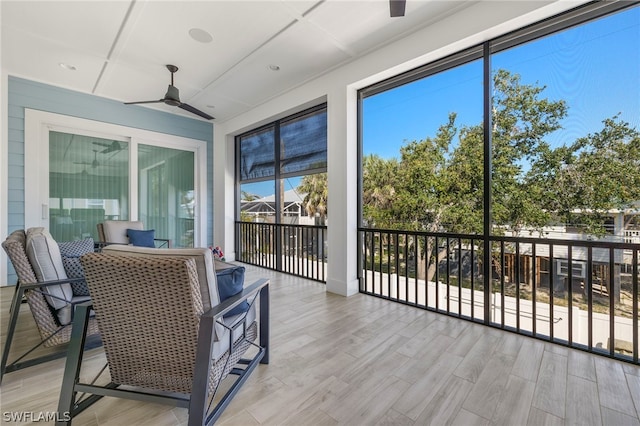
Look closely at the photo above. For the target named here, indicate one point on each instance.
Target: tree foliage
(437, 183)
(315, 186)
(597, 173)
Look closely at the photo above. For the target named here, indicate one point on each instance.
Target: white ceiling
(120, 48)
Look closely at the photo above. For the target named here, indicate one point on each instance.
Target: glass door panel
(88, 183)
(166, 196)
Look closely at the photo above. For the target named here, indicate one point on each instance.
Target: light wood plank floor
(367, 361)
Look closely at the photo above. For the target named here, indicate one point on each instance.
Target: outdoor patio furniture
(117, 232)
(183, 349)
(49, 292)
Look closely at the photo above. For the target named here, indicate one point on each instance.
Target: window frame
(38, 124)
(278, 175)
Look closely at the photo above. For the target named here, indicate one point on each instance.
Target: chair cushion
(230, 282)
(204, 266)
(65, 314)
(45, 258)
(141, 238)
(71, 252)
(115, 231)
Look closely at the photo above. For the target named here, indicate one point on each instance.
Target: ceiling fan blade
(397, 7)
(144, 102)
(172, 98)
(114, 146)
(195, 111)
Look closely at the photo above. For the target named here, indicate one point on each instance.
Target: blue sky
(594, 67)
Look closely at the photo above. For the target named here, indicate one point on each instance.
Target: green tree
(522, 119)
(315, 202)
(440, 182)
(441, 178)
(598, 173)
(379, 182)
(247, 196)
(437, 183)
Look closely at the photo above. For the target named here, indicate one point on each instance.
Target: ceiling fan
(94, 164)
(397, 7)
(172, 97)
(109, 147)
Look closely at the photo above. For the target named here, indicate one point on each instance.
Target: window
(282, 169)
(577, 268)
(518, 150)
(422, 150)
(166, 180)
(88, 183)
(565, 111)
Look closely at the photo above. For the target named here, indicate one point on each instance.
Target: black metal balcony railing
(581, 294)
(294, 249)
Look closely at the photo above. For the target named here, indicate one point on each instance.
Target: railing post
(487, 126)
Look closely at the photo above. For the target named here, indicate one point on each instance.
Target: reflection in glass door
(166, 197)
(88, 183)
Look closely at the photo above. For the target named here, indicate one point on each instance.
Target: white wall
(4, 164)
(469, 27)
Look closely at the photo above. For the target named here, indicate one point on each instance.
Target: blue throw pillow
(141, 238)
(230, 282)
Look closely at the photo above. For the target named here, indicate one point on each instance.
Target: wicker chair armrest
(219, 310)
(31, 286)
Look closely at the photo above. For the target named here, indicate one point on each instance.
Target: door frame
(37, 126)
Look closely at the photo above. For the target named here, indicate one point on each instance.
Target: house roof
(290, 196)
(267, 204)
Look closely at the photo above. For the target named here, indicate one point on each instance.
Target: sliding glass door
(91, 179)
(88, 183)
(166, 197)
(78, 173)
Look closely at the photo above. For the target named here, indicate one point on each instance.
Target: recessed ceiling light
(274, 67)
(210, 106)
(67, 66)
(198, 34)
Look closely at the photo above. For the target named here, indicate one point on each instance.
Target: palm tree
(315, 186)
(247, 196)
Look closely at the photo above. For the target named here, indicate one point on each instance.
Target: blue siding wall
(33, 95)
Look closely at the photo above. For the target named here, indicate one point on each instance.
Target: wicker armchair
(35, 291)
(181, 352)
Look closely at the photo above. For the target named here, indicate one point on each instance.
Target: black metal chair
(35, 292)
(182, 353)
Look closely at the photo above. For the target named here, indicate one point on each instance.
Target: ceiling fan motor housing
(172, 97)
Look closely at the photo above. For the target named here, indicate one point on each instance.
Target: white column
(618, 225)
(223, 192)
(342, 218)
(4, 174)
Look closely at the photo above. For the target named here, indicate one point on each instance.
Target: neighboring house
(622, 226)
(263, 209)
